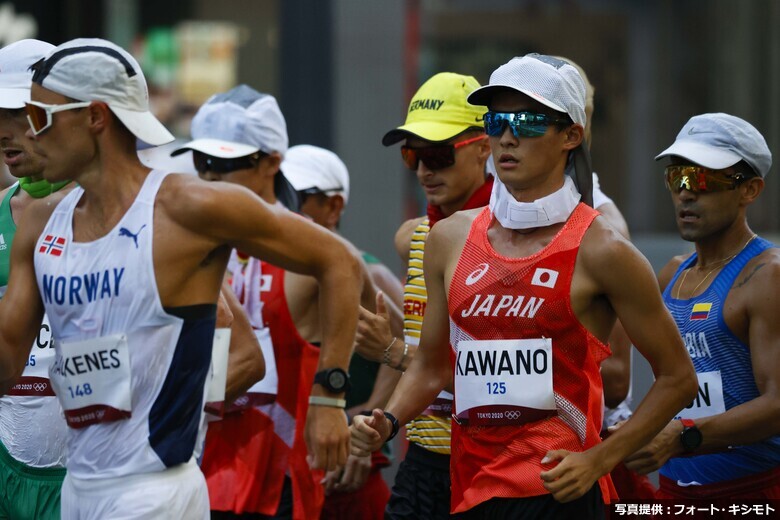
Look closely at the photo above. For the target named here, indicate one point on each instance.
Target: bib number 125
(496, 388)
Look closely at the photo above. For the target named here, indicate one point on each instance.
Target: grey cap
(552, 82)
(720, 140)
(239, 122)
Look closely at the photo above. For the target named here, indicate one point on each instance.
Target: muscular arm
(630, 286)
(616, 369)
(246, 365)
(233, 216)
(19, 329)
(758, 419)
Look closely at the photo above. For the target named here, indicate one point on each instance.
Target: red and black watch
(691, 437)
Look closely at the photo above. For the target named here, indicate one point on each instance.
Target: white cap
(15, 73)
(236, 123)
(721, 140)
(310, 167)
(159, 157)
(92, 69)
(552, 82)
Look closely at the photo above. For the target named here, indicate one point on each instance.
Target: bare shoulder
(37, 213)
(197, 204)
(453, 230)
(761, 275)
(604, 242)
(612, 214)
(607, 255)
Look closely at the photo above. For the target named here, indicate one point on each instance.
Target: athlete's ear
(99, 116)
(484, 151)
(335, 207)
(750, 190)
(573, 136)
(271, 162)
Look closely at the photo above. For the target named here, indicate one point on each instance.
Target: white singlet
(130, 375)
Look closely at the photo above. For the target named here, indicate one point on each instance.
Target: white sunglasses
(39, 115)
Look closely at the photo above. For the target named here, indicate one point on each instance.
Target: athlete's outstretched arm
(21, 308)
(755, 420)
(430, 370)
(631, 288)
(234, 216)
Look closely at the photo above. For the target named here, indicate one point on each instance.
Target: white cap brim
(14, 97)
(218, 148)
(701, 154)
(483, 96)
(144, 126)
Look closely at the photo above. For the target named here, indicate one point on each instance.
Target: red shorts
(367, 503)
(630, 485)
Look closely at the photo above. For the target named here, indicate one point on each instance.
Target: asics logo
(478, 273)
(124, 232)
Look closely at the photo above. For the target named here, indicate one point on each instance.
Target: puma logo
(124, 232)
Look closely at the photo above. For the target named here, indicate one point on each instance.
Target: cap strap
(42, 67)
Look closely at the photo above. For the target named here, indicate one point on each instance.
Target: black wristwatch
(395, 426)
(335, 380)
(691, 437)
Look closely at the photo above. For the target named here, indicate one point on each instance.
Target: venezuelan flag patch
(700, 311)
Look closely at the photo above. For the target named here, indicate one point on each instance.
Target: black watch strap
(394, 423)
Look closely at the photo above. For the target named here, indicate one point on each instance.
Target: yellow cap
(439, 110)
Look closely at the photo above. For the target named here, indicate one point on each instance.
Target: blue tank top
(720, 359)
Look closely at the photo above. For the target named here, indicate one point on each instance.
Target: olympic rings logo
(40, 387)
(512, 415)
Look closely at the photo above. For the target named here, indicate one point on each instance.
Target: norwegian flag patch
(52, 245)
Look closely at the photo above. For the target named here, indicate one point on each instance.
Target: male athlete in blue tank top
(726, 443)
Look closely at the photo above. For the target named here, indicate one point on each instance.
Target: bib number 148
(496, 388)
(80, 390)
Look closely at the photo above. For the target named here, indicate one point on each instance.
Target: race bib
(504, 382)
(35, 378)
(709, 399)
(269, 385)
(92, 380)
(215, 391)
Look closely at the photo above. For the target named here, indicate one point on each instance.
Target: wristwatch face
(691, 438)
(337, 380)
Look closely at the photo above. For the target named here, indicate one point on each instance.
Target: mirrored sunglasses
(523, 124)
(39, 115)
(699, 179)
(436, 157)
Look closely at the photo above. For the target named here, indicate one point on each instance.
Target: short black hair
(743, 169)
